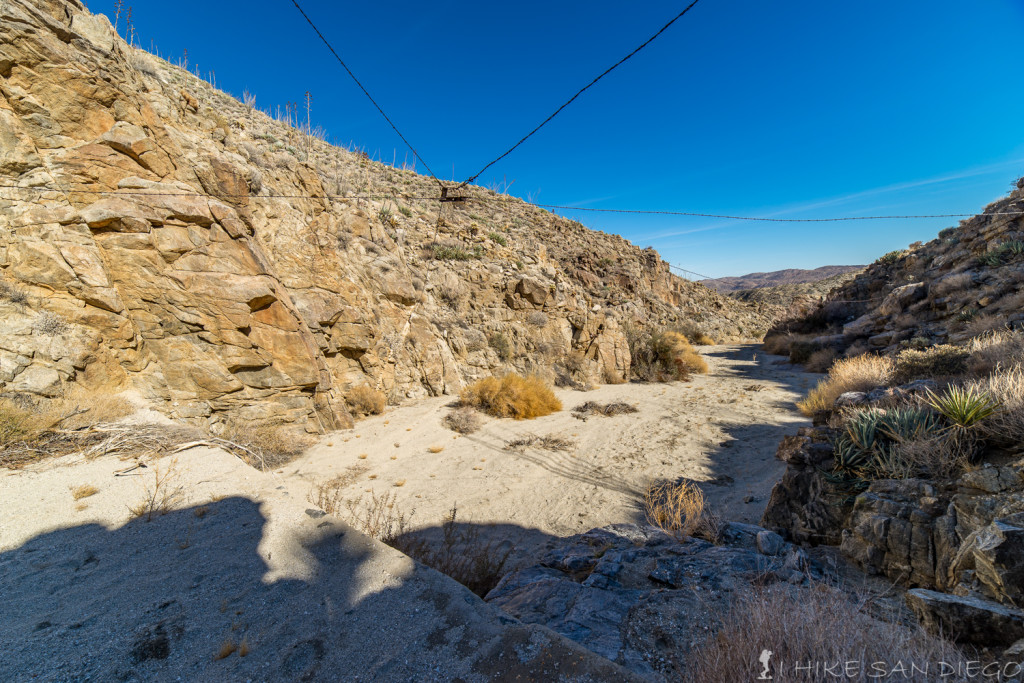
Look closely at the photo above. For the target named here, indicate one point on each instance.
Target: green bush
(450, 252)
(499, 238)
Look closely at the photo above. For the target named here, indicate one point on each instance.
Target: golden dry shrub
(811, 626)
(820, 361)
(364, 400)
(675, 352)
(515, 396)
(777, 344)
(861, 373)
(675, 508)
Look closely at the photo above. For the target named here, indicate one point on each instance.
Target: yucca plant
(963, 407)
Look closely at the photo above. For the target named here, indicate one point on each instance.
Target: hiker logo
(765, 658)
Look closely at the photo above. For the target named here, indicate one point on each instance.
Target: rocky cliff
(158, 234)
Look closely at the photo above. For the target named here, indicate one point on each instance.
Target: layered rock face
(157, 234)
(948, 290)
(964, 538)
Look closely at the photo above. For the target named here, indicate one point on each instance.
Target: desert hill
(162, 236)
(954, 288)
(776, 278)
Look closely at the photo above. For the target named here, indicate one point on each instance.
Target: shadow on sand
(163, 600)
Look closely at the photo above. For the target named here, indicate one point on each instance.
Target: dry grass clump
(1005, 386)
(675, 508)
(861, 373)
(942, 456)
(462, 420)
(435, 449)
(364, 400)
(380, 517)
(816, 625)
(999, 348)
(950, 284)
(605, 409)
(81, 422)
(820, 361)
(83, 491)
(515, 396)
(942, 360)
(548, 442)
(227, 648)
(264, 447)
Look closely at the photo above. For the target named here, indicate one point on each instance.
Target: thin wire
(543, 206)
(578, 93)
(365, 92)
(780, 220)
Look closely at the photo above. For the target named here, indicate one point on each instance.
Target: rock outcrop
(641, 598)
(157, 234)
(960, 541)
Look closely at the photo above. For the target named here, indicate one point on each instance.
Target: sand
(721, 429)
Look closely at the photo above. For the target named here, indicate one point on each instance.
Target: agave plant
(908, 424)
(855, 447)
(964, 407)
(1014, 248)
(992, 259)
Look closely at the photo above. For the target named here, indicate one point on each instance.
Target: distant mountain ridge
(789, 276)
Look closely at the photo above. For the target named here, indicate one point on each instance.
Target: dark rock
(967, 619)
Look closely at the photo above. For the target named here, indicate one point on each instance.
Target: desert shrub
(983, 324)
(515, 396)
(821, 360)
(675, 508)
(819, 624)
(9, 292)
(455, 252)
(537, 318)
(499, 238)
(605, 409)
(868, 446)
(1006, 386)
(450, 297)
(860, 373)
(547, 442)
(950, 284)
(14, 423)
(365, 400)
(891, 257)
(945, 455)
(462, 553)
(379, 517)
(162, 495)
(664, 356)
(265, 447)
(50, 323)
(994, 349)
(777, 344)
(695, 334)
(571, 371)
(462, 420)
(942, 360)
(501, 344)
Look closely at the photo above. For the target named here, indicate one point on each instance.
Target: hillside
(777, 278)
(957, 287)
(163, 237)
(794, 297)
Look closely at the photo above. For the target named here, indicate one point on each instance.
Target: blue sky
(790, 109)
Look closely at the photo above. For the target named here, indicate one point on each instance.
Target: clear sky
(794, 109)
